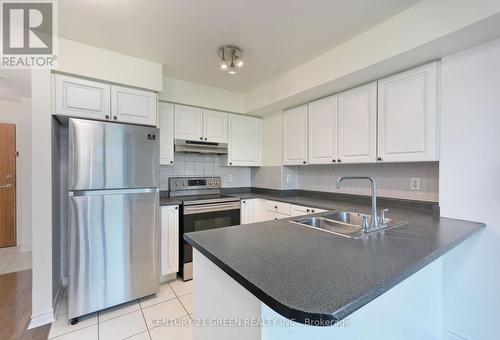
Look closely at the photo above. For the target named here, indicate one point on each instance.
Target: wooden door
(7, 185)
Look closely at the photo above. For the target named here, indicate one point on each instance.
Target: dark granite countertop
(306, 274)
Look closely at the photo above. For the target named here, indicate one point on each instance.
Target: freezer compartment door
(114, 249)
(112, 156)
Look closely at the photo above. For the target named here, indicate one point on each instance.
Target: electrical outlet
(415, 184)
(288, 179)
(230, 178)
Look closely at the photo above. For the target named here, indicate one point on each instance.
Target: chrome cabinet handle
(6, 186)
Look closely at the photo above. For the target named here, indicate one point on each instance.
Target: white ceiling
(184, 35)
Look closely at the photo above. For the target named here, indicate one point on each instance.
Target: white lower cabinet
(259, 210)
(169, 247)
(247, 211)
(298, 210)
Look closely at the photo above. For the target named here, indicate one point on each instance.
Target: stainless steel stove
(203, 208)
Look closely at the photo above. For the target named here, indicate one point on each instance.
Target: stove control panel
(193, 183)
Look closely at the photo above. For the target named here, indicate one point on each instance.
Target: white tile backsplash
(393, 179)
(187, 164)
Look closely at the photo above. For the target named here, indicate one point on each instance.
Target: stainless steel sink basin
(346, 224)
(341, 229)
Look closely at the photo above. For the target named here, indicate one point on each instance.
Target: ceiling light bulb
(239, 63)
(232, 69)
(223, 65)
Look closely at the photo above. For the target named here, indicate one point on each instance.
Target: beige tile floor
(142, 319)
(13, 260)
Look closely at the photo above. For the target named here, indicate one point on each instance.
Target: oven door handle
(199, 209)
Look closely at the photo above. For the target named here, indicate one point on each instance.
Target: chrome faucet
(374, 221)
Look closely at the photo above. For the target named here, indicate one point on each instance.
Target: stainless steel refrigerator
(113, 174)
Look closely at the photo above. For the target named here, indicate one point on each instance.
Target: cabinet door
(188, 122)
(246, 216)
(214, 126)
(244, 141)
(295, 136)
(407, 116)
(81, 98)
(322, 134)
(169, 240)
(133, 106)
(166, 119)
(357, 110)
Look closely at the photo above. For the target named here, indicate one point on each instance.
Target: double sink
(348, 224)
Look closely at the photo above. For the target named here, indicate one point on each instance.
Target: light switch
(230, 178)
(415, 184)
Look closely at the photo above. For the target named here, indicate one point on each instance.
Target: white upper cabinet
(193, 123)
(407, 116)
(166, 124)
(82, 98)
(169, 247)
(322, 134)
(214, 126)
(133, 106)
(357, 119)
(244, 141)
(188, 122)
(295, 136)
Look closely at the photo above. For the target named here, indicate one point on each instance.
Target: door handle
(6, 186)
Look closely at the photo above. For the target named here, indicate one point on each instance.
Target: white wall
(470, 188)
(41, 146)
(424, 32)
(85, 60)
(272, 139)
(19, 113)
(188, 93)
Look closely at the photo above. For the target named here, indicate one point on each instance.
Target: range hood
(200, 147)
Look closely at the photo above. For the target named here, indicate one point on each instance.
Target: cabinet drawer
(279, 207)
(298, 210)
(271, 215)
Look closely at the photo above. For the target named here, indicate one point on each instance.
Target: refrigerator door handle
(111, 192)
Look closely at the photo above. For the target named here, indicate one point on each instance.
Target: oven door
(204, 217)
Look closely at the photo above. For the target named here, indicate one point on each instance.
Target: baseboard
(41, 319)
(25, 248)
(449, 335)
